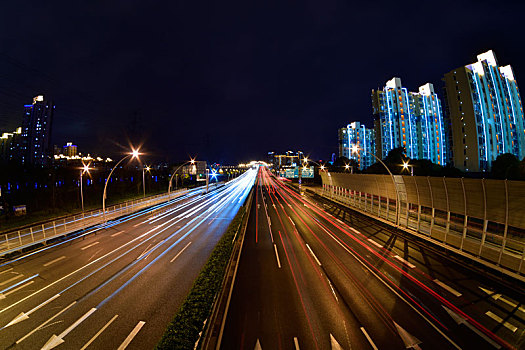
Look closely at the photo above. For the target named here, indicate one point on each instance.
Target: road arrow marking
(45, 323)
(500, 297)
(334, 344)
(257, 345)
(411, 342)
(56, 340)
(132, 335)
(461, 320)
(25, 315)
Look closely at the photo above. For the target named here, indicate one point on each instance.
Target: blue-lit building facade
(486, 113)
(356, 135)
(35, 145)
(431, 128)
(410, 120)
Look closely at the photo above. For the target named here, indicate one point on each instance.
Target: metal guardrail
(41, 233)
(483, 220)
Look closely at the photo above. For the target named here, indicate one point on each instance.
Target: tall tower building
(395, 121)
(432, 142)
(357, 135)
(413, 120)
(36, 132)
(486, 113)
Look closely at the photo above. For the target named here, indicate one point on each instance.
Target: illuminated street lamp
(192, 161)
(134, 154)
(147, 168)
(406, 166)
(84, 169)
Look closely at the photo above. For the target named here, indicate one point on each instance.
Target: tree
(506, 166)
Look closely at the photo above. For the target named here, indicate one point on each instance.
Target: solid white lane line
(179, 253)
(375, 243)
(89, 246)
(498, 319)
(117, 233)
(448, 288)
(98, 333)
(312, 252)
(17, 289)
(11, 279)
(45, 322)
(296, 343)
(404, 261)
(368, 338)
(277, 255)
(54, 261)
(131, 335)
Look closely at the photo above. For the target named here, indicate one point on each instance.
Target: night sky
(229, 81)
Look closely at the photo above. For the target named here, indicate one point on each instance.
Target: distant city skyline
(226, 83)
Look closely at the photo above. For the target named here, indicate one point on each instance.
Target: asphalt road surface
(308, 279)
(120, 286)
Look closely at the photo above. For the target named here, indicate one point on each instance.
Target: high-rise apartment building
(410, 120)
(69, 149)
(486, 113)
(35, 145)
(10, 145)
(357, 135)
(432, 140)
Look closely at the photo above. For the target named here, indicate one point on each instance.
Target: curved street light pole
(134, 154)
(175, 172)
(355, 149)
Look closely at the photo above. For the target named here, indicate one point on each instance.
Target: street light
(356, 149)
(134, 154)
(406, 166)
(147, 168)
(192, 161)
(85, 169)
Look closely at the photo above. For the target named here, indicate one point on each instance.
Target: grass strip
(183, 331)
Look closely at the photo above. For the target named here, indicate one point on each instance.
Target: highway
(308, 279)
(117, 287)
